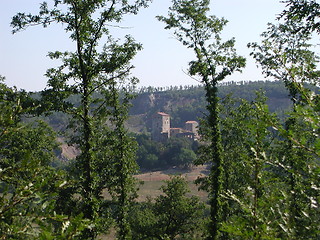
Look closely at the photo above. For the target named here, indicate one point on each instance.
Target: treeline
(263, 180)
(190, 104)
(151, 89)
(186, 104)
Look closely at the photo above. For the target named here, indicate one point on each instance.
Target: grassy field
(152, 189)
(152, 181)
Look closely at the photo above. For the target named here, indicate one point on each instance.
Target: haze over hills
(184, 103)
(187, 103)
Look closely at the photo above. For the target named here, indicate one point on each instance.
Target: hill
(188, 103)
(183, 104)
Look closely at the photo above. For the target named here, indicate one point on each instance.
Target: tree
(28, 184)
(173, 215)
(248, 143)
(306, 11)
(215, 61)
(119, 163)
(185, 158)
(178, 214)
(85, 72)
(285, 55)
(178, 152)
(148, 152)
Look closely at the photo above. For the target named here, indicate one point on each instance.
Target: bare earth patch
(68, 152)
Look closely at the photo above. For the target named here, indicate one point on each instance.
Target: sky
(163, 60)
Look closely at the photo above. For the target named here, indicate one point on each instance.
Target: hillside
(183, 104)
(188, 103)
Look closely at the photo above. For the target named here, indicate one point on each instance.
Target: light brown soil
(68, 152)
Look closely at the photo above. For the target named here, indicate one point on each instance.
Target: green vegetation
(215, 60)
(262, 147)
(186, 104)
(29, 185)
(179, 152)
(171, 216)
(106, 157)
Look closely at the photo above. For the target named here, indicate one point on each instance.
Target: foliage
(148, 152)
(215, 61)
(29, 186)
(248, 147)
(175, 152)
(179, 152)
(286, 56)
(172, 215)
(261, 155)
(306, 11)
(116, 155)
(264, 178)
(285, 53)
(83, 73)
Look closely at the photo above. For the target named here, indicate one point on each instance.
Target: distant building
(161, 129)
(175, 131)
(160, 126)
(192, 126)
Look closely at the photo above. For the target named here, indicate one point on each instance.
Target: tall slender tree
(119, 163)
(285, 54)
(85, 73)
(172, 215)
(215, 60)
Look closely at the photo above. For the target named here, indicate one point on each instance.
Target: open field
(152, 181)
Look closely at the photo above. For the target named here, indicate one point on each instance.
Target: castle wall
(161, 130)
(192, 126)
(160, 126)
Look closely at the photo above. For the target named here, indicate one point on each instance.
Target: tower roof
(162, 114)
(191, 122)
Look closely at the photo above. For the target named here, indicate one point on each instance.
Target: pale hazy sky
(163, 60)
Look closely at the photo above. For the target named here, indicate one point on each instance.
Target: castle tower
(160, 126)
(192, 126)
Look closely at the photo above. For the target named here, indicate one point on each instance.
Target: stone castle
(161, 129)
